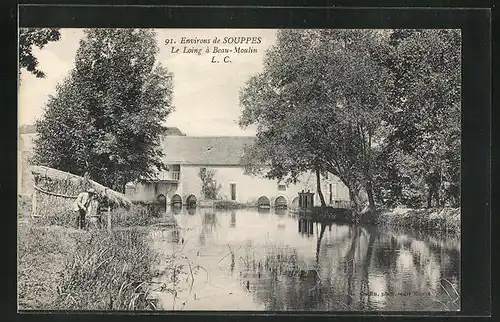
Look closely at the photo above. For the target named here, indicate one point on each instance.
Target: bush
(446, 219)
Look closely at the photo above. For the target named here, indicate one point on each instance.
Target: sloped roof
(204, 150)
(26, 141)
(27, 128)
(172, 131)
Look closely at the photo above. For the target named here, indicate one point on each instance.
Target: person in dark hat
(81, 206)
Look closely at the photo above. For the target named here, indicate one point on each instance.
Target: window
(175, 170)
(233, 191)
(281, 187)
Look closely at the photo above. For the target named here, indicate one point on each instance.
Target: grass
(66, 269)
(41, 255)
(54, 210)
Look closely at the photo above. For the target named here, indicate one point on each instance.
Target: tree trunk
(429, 197)
(320, 237)
(318, 187)
(368, 173)
(353, 195)
(436, 195)
(369, 192)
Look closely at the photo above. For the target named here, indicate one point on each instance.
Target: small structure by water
(306, 200)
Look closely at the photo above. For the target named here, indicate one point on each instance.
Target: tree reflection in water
(356, 265)
(320, 265)
(209, 226)
(306, 227)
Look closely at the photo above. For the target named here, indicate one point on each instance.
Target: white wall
(248, 188)
(146, 191)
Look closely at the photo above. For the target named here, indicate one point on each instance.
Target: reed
(107, 272)
(53, 210)
(41, 254)
(278, 259)
(65, 269)
(137, 215)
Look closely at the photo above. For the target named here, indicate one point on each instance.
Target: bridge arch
(176, 201)
(161, 203)
(161, 199)
(191, 201)
(280, 202)
(263, 202)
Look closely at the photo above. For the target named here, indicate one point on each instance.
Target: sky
(205, 94)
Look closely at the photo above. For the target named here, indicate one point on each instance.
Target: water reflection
(336, 267)
(261, 210)
(280, 211)
(233, 219)
(306, 226)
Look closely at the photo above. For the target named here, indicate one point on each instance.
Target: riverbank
(433, 219)
(62, 268)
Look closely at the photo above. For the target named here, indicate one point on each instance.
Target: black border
(476, 32)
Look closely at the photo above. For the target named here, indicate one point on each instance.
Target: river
(279, 261)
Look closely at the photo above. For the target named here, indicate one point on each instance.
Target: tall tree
(39, 37)
(106, 118)
(318, 105)
(422, 163)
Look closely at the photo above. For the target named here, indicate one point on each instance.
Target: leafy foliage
(378, 109)
(105, 118)
(422, 159)
(318, 105)
(39, 37)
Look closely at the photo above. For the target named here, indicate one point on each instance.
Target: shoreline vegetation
(445, 219)
(142, 214)
(62, 268)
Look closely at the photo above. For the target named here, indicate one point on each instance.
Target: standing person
(81, 206)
